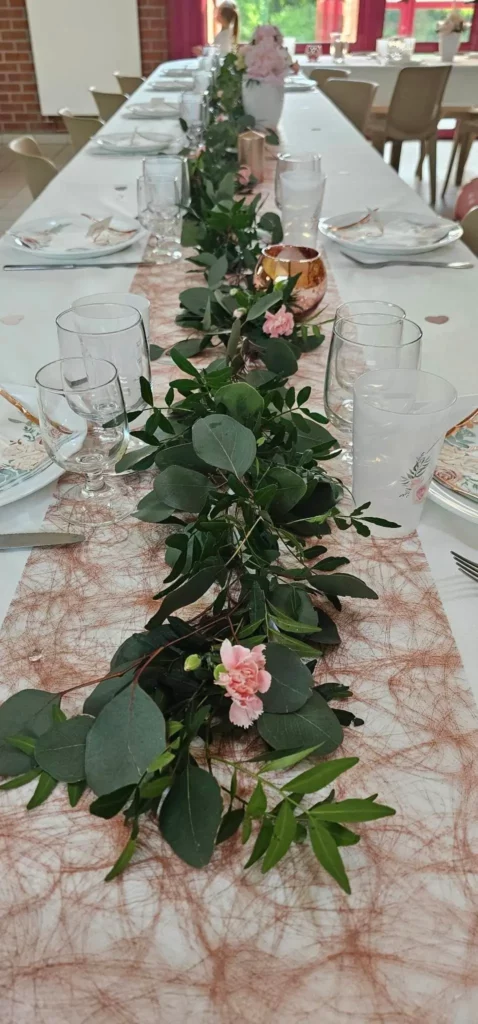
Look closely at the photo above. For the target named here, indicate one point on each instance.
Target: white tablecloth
(357, 176)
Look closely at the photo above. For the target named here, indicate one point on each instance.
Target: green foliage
(239, 488)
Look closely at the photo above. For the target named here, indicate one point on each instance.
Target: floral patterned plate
(457, 467)
(24, 465)
(82, 236)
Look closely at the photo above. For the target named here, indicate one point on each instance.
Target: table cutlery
(18, 405)
(40, 539)
(408, 263)
(74, 266)
(466, 566)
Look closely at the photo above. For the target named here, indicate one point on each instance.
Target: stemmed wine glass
(84, 430)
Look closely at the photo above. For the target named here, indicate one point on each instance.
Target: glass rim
(70, 359)
(407, 370)
(359, 344)
(79, 304)
(116, 330)
(291, 155)
(356, 302)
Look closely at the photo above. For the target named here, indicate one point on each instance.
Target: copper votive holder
(279, 262)
(251, 152)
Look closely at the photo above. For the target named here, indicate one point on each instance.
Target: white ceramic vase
(448, 46)
(264, 102)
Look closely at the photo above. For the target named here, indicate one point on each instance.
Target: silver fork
(466, 566)
(408, 263)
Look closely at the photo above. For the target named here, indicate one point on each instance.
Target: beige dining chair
(107, 102)
(128, 83)
(353, 98)
(321, 75)
(413, 114)
(38, 170)
(466, 131)
(470, 230)
(80, 127)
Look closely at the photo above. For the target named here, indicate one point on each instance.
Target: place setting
(155, 108)
(377, 236)
(137, 143)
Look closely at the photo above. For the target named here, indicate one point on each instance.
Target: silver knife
(41, 539)
(73, 266)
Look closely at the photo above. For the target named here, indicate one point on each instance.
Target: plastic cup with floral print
(400, 418)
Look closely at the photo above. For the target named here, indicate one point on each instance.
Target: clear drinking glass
(339, 47)
(302, 198)
(296, 162)
(202, 81)
(156, 167)
(161, 214)
(366, 306)
(400, 419)
(193, 111)
(365, 341)
(84, 430)
(139, 302)
(112, 332)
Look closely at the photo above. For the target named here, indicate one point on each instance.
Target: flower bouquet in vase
(449, 36)
(266, 64)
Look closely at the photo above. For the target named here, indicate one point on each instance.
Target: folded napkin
(171, 84)
(157, 107)
(393, 230)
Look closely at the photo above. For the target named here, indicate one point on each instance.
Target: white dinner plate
(24, 466)
(132, 142)
(76, 237)
(171, 84)
(152, 109)
(466, 508)
(404, 233)
(299, 84)
(177, 72)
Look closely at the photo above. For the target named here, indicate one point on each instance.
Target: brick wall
(19, 104)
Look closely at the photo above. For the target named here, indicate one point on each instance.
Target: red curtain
(186, 26)
(370, 24)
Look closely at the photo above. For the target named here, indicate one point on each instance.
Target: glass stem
(94, 482)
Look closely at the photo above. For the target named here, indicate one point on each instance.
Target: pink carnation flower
(278, 324)
(244, 677)
(221, 117)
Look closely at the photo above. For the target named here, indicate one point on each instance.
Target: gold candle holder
(251, 151)
(279, 262)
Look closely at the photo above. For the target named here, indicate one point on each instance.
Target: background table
(461, 90)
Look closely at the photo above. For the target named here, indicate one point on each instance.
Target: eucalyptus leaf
(291, 683)
(224, 443)
(137, 459)
(123, 740)
(111, 804)
(230, 823)
(27, 712)
(182, 488)
(217, 272)
(242, 401)
(292, 488)
(190, 816)
(278, 356)
(44, 788)
(264, 303)
(314, 724)
(340, 584)
(61, 750)
(180, 455)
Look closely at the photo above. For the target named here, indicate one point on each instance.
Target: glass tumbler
(300, 162)
(302, 198)
(84, 430)
(157, 167)
(400, 419)
(160, 208)
(109, 331)
(362, 342)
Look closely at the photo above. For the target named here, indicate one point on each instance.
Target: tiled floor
(15, 197)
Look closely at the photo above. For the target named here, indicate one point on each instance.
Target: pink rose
(278, 324)
(244, 676)
(221, 117)
(244, 175)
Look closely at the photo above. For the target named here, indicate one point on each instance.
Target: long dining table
(165, 942)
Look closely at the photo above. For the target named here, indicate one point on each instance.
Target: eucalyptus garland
(244, 492)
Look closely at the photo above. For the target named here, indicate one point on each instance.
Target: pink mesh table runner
(166, 943)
